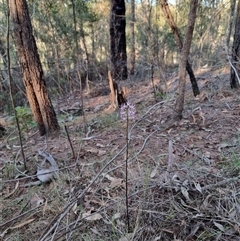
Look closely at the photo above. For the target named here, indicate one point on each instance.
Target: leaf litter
(184, 182)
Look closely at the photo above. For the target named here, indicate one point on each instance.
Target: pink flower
(127, 111)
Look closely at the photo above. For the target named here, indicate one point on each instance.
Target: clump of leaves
(236, 163)
(231, 164)
(159, 95)
(24, 116)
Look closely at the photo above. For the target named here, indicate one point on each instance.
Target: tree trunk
(31, 67)
(235, 70)
(113, 89)
(118, 40)
(183, 61)
(230, 24)
(172, 24)
(132, 23)
(117, 96)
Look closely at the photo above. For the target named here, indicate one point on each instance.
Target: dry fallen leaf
(23, 223)
(91, 216)
(13, 191)
(100, 145)
(74, 208)
(117, 182)
(153, 172)
(92, 150)
(197, 186)
(127, 237)
(101, 153)
(206, 202)
(219, 226)
(116, 216)
(36, 201)
(95, 231)
(184, 191)
(44, 175)
(48, 168)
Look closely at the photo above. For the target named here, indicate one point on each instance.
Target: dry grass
(184, 182)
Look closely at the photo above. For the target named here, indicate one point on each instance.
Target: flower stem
(126, 173)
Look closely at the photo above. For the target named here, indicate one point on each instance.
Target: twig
(146, 139)
(89, 138)
(232, 66)
(233, 179)
(69, 140)
(13, 191)
(14, 218)
(204, 158)
(60, 216)
(33, 176)
(141, 149)
(52, 227)
(152, 79)
(170, 161)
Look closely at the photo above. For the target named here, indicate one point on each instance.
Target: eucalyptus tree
(235, 70)
(118, 40)
(178, 39)
(132, 40)
(31, 67)
(183, 60)
(231, 17)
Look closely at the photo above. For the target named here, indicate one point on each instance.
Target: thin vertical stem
(126, 173)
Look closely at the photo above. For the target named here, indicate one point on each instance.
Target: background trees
(154, 46)
(198, 156)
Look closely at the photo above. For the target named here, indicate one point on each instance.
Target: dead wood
(117, 95)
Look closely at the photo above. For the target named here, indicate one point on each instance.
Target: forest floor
(183, 181)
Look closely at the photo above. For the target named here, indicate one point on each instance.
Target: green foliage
(24, 116)
(53, 26)
(235, 163)
(105, 121)
(84, 11)
(231, 163)
(159, 95)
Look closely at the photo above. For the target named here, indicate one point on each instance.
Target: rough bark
(230, 24)
(118, 40)
(132, 23)
(183, 61)
(31, 67)
(235, 70)
(172, 24)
